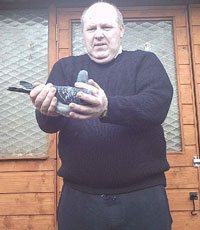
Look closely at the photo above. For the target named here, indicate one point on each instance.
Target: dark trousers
(140, 210)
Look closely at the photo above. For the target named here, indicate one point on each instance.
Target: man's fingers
(43, 98)
(89, 87)
(93, 83)
(47, 102)
(82, 109)
(89, 99)
(42, 95)
(36, 84)
(51, 109)
(52, 105)
(35, 92)
(79, 116)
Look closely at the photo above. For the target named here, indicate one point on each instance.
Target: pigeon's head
(82, 76)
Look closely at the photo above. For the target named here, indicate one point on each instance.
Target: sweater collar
(119, 52)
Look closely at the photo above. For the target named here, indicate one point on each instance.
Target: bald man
(112, 147)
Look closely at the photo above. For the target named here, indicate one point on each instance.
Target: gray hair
(119, 14)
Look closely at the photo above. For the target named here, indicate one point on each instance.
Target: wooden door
(181, 127)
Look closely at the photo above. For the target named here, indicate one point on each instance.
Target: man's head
(103, 28)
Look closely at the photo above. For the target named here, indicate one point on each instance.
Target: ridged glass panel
(23, 56)
(157, 37)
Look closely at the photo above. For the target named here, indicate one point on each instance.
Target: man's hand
(43, 98)
(98, 102)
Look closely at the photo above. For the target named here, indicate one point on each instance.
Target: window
(23, 56)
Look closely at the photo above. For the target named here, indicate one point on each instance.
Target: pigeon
(64, 94)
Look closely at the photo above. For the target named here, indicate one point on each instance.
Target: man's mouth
(99, 44)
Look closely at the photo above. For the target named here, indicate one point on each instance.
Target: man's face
(102, 34)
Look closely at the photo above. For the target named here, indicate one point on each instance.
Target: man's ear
(122, 30)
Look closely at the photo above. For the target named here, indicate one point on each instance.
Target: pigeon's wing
(67, 94)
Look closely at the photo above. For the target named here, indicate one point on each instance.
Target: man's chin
(101, 59)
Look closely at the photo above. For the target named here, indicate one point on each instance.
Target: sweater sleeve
(47, 123)
(150, 104)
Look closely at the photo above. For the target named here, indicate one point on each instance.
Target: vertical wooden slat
(52, 57)
(197, 72)
(185, 91)
(188, 114)
(194, 11)
(184, 74)
(195, 44)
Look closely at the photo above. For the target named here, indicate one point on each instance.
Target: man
(112, 149)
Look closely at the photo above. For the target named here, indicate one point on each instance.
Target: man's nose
(99, 33)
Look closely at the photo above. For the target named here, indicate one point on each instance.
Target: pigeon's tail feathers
(19, 90)
(82, 76)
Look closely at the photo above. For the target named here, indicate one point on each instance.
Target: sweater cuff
(49, 124)
(107, 114)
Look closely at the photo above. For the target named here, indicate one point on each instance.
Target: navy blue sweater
(126, 150)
